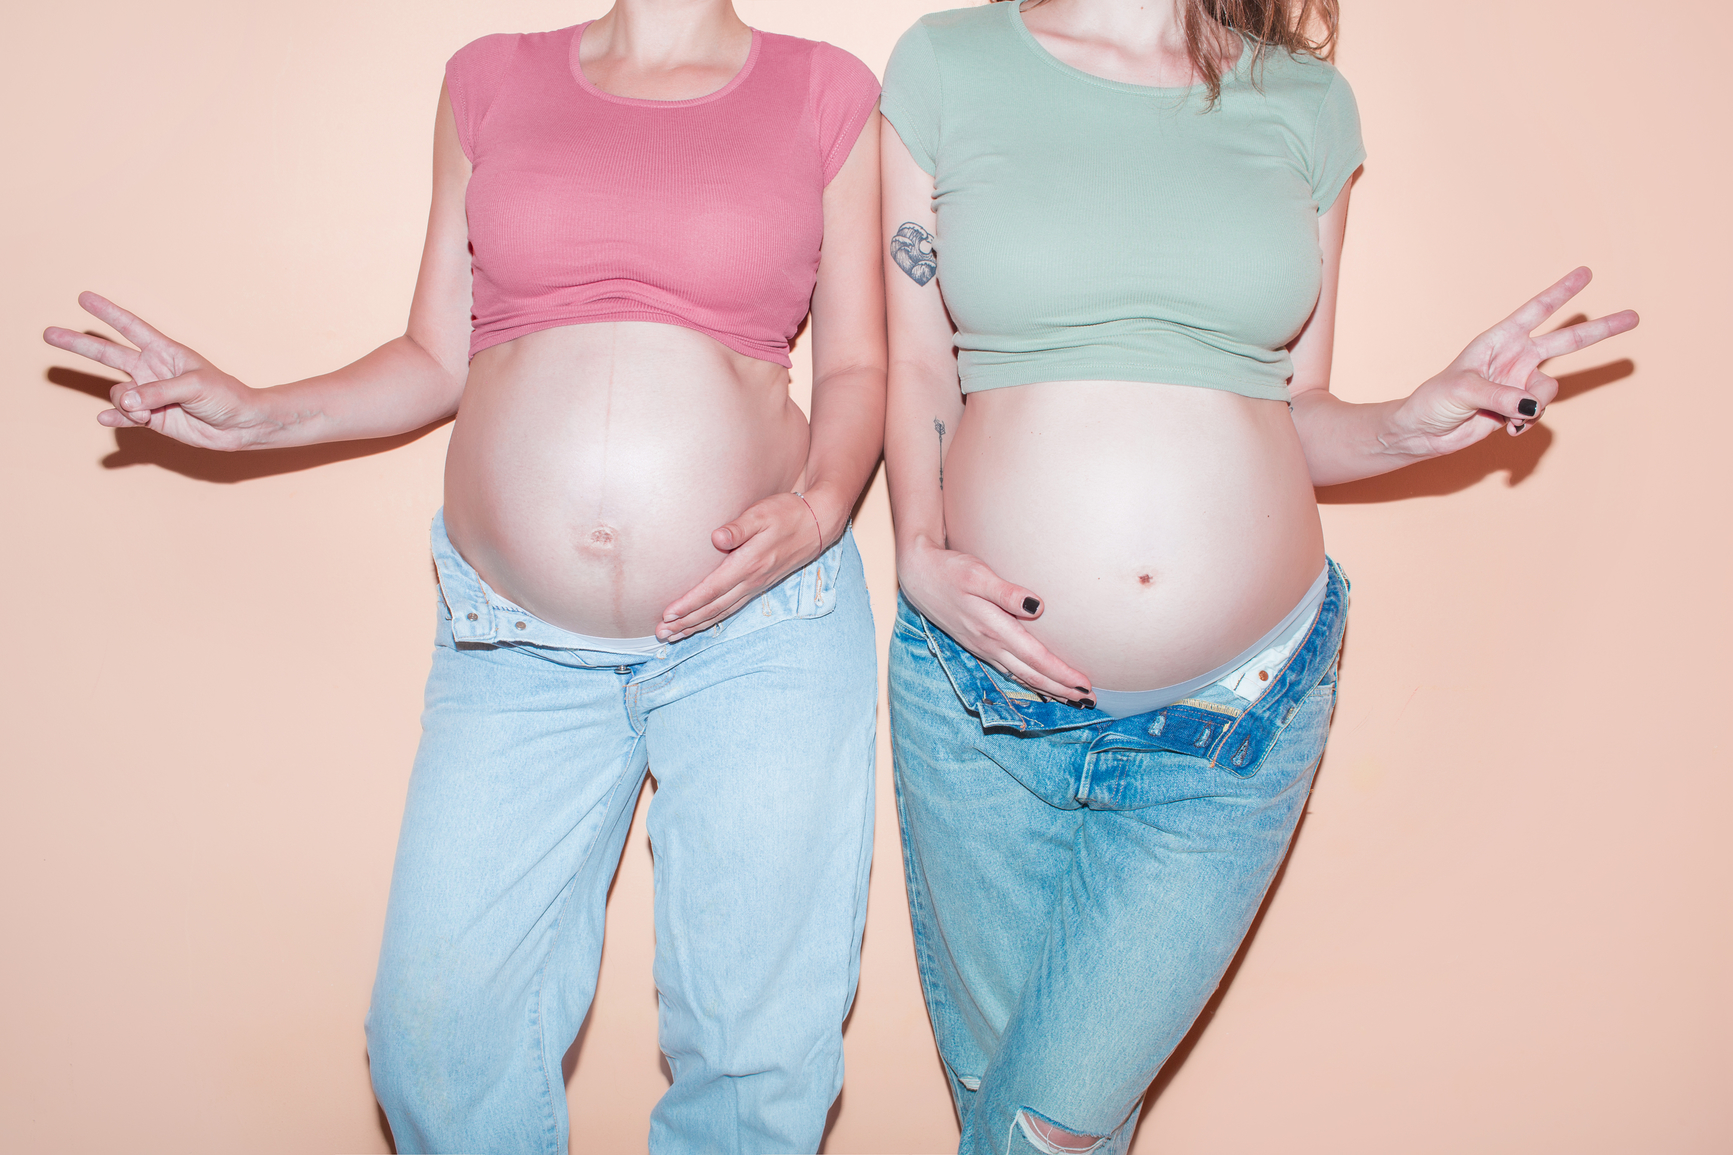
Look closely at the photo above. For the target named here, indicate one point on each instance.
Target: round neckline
(1040, 50)
(584, 82)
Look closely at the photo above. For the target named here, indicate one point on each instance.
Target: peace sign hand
(170, 388)
(1497, 380)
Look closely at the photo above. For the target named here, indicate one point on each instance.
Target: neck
(1137, 26)
(664, 32)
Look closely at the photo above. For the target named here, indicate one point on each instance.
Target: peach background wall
(1504, 927)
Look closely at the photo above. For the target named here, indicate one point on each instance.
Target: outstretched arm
(404, 384)
(1495, 381)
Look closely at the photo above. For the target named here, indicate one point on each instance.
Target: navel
(603, 537)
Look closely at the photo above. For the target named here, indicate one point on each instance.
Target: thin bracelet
(815, 524)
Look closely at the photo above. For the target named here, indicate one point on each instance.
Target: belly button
(602, 538)
(1144, 579)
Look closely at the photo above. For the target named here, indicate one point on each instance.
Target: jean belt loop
(471, 615)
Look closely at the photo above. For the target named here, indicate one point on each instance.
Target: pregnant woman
(643, 558)
(1114, 663)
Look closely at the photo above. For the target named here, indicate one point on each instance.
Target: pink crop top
(706, 213)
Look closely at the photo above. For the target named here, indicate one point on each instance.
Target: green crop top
(1095, 230)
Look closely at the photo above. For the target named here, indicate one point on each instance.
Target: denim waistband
(1202, 729)
(480, 616)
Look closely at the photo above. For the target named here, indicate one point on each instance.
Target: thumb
(728, 537)
(137, 400)
(736, 533)
(1505, 400)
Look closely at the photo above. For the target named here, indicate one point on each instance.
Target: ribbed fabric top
(1091, 230)
(705, 213)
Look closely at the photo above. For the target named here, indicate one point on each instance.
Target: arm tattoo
(940, 426)
(912, 250)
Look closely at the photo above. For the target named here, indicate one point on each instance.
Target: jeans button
(523, 625)
(472, 616)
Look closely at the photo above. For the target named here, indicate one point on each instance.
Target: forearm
(397, 388)
(923, 410)
(845, 438)
(1345, 442)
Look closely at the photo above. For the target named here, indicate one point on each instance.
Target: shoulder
(831, 74)
(961, 31)
(834, 67)
(1299, 77)
(957, 45)
(963, 21)
(486, 53)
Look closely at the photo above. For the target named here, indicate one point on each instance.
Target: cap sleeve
(473, 77)
(844, 93)
(911, 97)
(1337, 149)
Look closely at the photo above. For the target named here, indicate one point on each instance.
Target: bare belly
(589, 465)
(1166, 528)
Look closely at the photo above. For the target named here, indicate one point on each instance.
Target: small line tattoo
(940, 426)
(912, 250)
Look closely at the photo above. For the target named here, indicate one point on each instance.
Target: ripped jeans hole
(1053, 1139)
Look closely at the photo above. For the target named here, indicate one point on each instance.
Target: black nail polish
(1528, 407)
(1087, 703)
(1081, 689)
(1031, 605)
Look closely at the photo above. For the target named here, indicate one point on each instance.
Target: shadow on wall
(143, 447)
(1516, 456)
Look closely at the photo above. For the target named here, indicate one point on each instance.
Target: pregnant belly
(1166, 528)
(590, 464)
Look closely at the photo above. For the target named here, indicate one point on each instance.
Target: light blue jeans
(760, 733)
(1078, 884)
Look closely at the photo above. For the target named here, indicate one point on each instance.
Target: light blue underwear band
(1270, 650)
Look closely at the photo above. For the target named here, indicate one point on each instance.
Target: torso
(590, 463)
(640, 264)
(1125, 270)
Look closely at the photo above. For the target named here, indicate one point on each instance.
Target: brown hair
(1291, 25)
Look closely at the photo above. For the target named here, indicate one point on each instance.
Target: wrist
(913, 549)
(1399, 435)
(830, 510)
(272, 420)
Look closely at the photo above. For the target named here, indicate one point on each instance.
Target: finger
(679, 614)
(1032, 677)
(737, 533)
(137, 401)
(98, 349)
(712, 617)
(1550, 300)
(115, 419)
(1055, 677)
(1022, 604)
(735, 569)
(1581, 336)
(1542, 388)
(708, 614)
(1473, 391)
(123, 322)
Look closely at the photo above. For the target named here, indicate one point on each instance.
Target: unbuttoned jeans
(760, 734)
(1079, 884)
